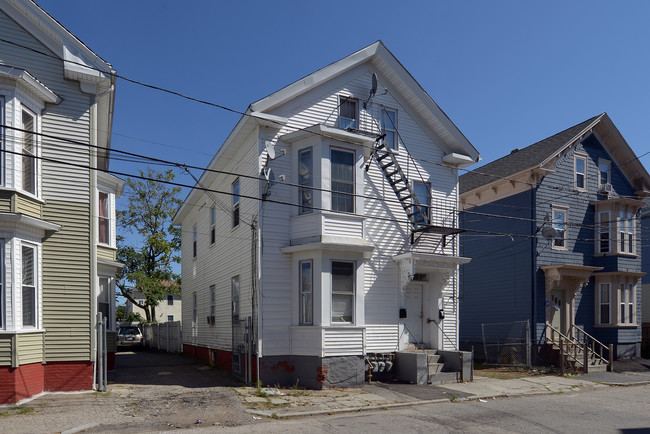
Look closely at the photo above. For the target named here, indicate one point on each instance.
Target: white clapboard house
(321, 242)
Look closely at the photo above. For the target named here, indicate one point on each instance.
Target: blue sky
(507, 73)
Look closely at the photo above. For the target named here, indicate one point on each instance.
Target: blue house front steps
(578, 351)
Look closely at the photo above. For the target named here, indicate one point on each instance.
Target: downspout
(93, 247)
(533, 240)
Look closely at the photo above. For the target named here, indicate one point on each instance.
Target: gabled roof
(521, 159)
(459, 150)
(540, 153)
(399, 80)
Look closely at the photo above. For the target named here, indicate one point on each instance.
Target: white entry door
(413, 320)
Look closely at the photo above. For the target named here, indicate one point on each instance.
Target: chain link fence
(242, 346)
(507, 344)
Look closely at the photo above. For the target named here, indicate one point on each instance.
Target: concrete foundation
(313, 372)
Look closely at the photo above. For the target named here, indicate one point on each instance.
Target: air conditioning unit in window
(211, 319)
(606, 188)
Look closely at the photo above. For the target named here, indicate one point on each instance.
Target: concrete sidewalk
(275, 403)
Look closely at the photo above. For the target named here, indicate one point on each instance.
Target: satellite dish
(373, 88)
(549, 232)
(270, 149)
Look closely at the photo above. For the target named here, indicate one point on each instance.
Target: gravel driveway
(147, 392)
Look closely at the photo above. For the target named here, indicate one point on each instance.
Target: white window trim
(599, 233)
(353, 182)
(110, 319)
(348, 98)
(602, 161)
(37, 292)
(36, 155)
(195, 241)
(600, 303)
(3, 287)
(353, 295)
(565, 210)
(309, 209)
(301, 312)
(393, 128)
(235, 304)
(110, 199)
(236, 204)
(213, 225)
(194, 311)
(583, 157)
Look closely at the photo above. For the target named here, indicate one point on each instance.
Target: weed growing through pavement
(19, 409)
(96, 393)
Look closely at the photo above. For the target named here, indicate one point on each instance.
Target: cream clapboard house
(350, 256)
(57, 225)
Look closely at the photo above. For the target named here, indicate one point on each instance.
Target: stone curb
(270, 414)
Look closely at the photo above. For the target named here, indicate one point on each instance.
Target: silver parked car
(130, 336)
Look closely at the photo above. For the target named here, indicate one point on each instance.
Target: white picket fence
(166, 336)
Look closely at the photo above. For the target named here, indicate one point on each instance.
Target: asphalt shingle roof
(520, 160)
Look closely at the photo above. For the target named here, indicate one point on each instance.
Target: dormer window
(348, 113)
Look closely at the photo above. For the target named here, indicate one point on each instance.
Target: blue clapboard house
(554, 234)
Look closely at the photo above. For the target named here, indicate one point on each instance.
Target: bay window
(604, 304)
(104, 220)
(29, 152)
(603, 232)
(342, 171)
(29, 278)
(343, 292)
(306, 292)
(306, 180)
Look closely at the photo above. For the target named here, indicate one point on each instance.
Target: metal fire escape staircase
(418, 215)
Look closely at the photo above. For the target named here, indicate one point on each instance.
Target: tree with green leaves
(122, 316)
(153, 244)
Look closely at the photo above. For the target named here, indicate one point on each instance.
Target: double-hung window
(560, 226)
(342, 168)
(343, 277)
(604, 303)
(29, 152)
(348, 113)
(604, 169)
(235, 204)
(194, 310)
(213, 300)
(626, 303)
(604, 232)
(580, 164)
(306, 180)
(104, 219)
(389, 127)
(195, 236)
(306, 293)
(104, 299)
(234, 288)
(29, 278)
(422, 190)
(213, 225)
(626, 223)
